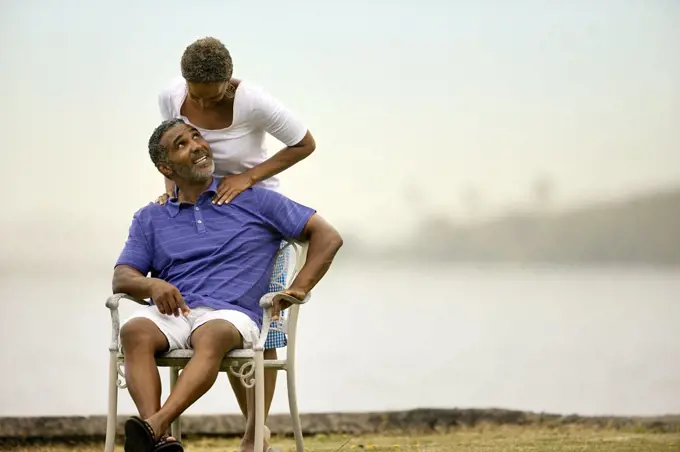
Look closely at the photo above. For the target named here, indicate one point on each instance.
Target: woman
(234, 116)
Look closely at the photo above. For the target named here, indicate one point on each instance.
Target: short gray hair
(158, 152)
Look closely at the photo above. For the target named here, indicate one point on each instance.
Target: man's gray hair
(158, 152)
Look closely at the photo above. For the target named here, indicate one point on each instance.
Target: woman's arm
(282, 160)
(231, 186)
(283, 125)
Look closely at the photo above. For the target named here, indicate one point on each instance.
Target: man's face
(189, 155)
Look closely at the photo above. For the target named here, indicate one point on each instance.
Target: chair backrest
(288, 262)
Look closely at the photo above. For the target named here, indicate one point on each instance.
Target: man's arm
(166, 297)
(129, 274)
(135, 261)
(324, 243)
(129, 280)
(294, 220)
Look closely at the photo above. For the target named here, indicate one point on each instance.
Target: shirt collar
(173, 205)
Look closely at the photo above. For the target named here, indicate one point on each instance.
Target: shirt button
(199, 221)
(197, 208)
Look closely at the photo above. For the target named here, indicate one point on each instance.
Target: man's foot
(141, 437)
(249, 446)
(157, 427)
(168, 444)
(248, 443)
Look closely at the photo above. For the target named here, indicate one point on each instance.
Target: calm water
(381, 337)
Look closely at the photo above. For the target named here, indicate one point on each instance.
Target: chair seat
(179, 358)
(187, 354)
(244, 353)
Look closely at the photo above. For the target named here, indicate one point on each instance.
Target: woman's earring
(230, 91)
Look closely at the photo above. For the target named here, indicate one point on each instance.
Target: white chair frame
(246, 364)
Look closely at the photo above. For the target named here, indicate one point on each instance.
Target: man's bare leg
(211, 341)
(141, 340)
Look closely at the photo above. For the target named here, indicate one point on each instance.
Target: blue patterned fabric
(276, 338)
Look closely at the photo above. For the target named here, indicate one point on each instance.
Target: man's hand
(167, 298)
(280, 304)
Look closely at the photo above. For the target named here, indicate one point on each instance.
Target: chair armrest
(267, 301)
(112, 303)
(114, 300)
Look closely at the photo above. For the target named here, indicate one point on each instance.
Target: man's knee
(142, 334)
(216, 337)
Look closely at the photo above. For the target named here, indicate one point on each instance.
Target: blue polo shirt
(220, 257)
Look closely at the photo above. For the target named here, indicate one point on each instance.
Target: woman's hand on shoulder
(230, 187)
(162, 199)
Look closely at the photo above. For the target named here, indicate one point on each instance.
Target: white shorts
(178, 330)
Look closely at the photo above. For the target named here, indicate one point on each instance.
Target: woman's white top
(240, 146)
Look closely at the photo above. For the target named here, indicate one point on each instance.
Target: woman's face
(207, 94)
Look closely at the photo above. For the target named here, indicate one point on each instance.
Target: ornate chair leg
(176, 426)
(259, 399)
(112, 414)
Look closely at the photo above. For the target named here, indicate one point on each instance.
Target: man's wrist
(148, 286)
(298, 290)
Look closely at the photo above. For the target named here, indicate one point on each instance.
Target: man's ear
(164, 169)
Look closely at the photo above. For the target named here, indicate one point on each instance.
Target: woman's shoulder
(176, 86)
(248, 90)
(170, 97)
(254, 97)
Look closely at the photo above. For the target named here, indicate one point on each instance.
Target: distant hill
(643, 230)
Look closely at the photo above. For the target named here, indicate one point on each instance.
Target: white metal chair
(247, 364)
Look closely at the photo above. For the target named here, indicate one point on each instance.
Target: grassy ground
(515, 439)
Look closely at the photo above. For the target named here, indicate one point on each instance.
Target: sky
(412, 105)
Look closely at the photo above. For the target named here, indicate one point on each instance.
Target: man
(210, 265)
